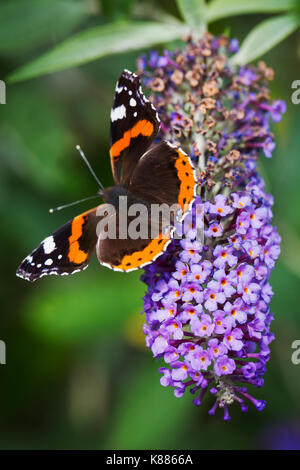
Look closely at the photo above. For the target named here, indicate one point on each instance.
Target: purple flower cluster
(206, 308)
(207, 304)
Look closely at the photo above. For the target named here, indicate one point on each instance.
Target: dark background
(78, 374)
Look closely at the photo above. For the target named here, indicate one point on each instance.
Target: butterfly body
(145, 174)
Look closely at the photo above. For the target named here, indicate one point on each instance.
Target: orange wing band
(75, 254)
(145, 256)
(186, 176)
(142, 127)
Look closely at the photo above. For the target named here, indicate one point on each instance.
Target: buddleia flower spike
(207, 314)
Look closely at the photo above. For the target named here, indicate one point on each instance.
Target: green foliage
(152, 424)
(264, 37)
(117, 9)
(68, 314)
(219, 9)
(122, 34)
(27, 23)
(98, 42)
(35, 148)
(194, 14)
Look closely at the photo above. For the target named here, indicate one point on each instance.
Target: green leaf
(140, 11)
(97, 42)
(72, 310)
(25, 23)
(264, 37)
(194, 13)
(218, 9)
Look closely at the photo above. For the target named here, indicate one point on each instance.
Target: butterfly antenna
(89, 166)
(72, 203)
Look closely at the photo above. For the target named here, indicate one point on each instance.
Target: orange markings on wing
(142, 127)
(187, 180)
(142, 257)
(75, 254)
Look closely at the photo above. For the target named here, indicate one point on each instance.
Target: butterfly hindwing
(134, 124)
(128, 254)
(66, 251)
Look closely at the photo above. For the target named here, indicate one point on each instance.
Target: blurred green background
(78, 374)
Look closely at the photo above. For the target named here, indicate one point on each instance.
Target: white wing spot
(118, 113)
(132, 102)
(59, 257)
(49, 245)
(48, 262)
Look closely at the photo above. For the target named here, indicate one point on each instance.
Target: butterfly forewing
(134, 124)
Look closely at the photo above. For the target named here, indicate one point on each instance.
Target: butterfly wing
(165, 174)
(134, 124)
(130, 254)
(66, 251)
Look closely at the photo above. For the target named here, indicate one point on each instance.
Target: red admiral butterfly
(154, 175)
